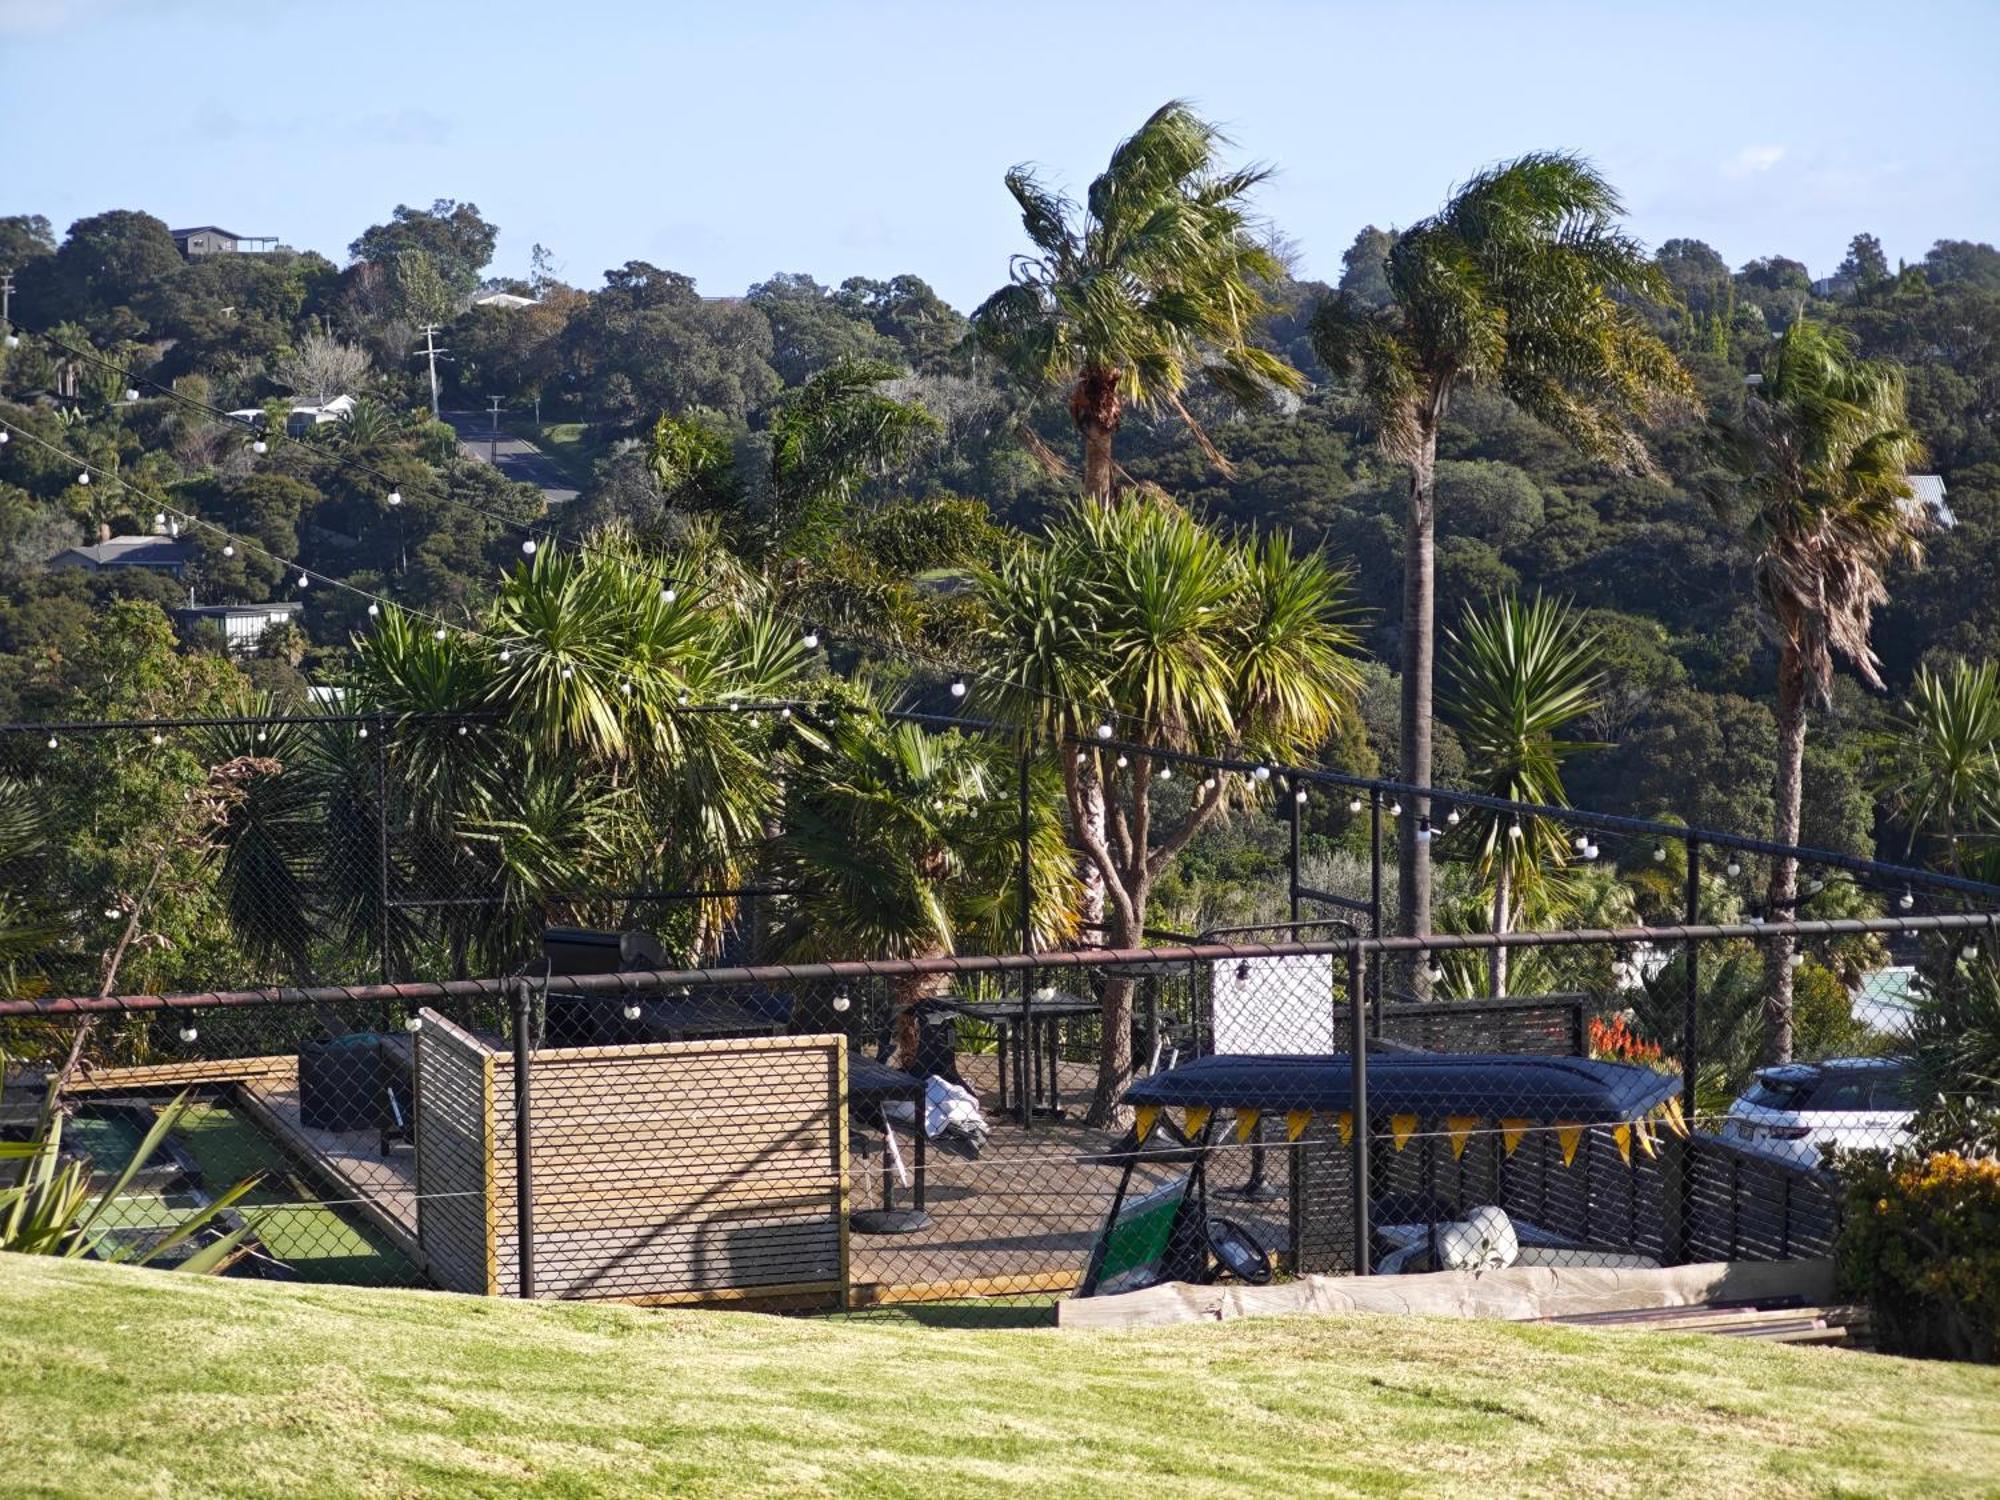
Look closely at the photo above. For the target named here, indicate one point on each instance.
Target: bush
(1920, 1244)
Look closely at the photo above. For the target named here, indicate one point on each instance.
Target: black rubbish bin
(342, 1083)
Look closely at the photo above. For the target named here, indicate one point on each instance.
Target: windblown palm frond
(1941, 758)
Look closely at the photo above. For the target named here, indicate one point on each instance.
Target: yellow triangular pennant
(1197, 1119)
(1459, 1128)
(1144, 1117)
(1622, 1134)
(1511, 1132)
(1676, 1121)
(1568, 1135)
(1401, 1128)
(1645, 1134)
(1246, 1121)
(1296, 1121)
(1346, 1122)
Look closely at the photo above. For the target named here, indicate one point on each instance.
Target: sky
(734, 141)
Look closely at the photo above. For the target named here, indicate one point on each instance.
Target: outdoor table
(871, 1082)
(1043, 1014)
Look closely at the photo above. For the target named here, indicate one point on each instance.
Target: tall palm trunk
(1781, 901)
(1096, 408)
(1503, 921)
(1419, 648)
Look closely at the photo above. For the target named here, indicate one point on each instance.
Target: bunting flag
(1459, 1128)
(1676, 1121)
(1401, 1128)
(1622, 1134)
(1511, 1132)
(1569, 1135)
(1246, 1121)
(1296, 1121)
(1144, 1117)
(1197, 1120)
(1645, 1134)
(1346, 1123)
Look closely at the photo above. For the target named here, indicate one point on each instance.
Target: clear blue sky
(731, 141)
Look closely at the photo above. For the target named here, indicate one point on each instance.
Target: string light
(260, 446)
(1514, 829)
(438, 635)
(1262, 773)
(228, 549)
(1452, 817)
(374, 608)
(1423, 830)
(158, 738)
(1300, 796)
(1907, 900)
(1733, 868)
(810, 640)
(958, 687)
(413, 1023)
(1104, 731)
(131, 395)
(1395, 809)
(1659, 854)
(632, 1010)
(6, 437)
(528, 546)
(52, 742)
(1590, 851)
(84, 477)
(1166, 773)
(188, 1032)
(303, 580)
(395, 497)
(1354, 804)
(667, 596)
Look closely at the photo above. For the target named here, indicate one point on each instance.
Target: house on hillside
(242, 625)
(208, 240)
(303, 417)
(503, 299)
(1927, 493)
(159, 554)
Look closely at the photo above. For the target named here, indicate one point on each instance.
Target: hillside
(125, 1382)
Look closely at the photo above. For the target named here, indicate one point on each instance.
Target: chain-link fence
(868, 1134)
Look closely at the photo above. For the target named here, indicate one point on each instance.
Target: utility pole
(431, 353)
(493, 446)
(7, 307)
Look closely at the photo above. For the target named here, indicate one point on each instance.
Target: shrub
(1920, 1243)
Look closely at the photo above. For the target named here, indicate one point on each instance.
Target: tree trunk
(1114, 1057)
(1503, 921)
(1092, 907)
(1096, 408)
(906, 993)
(1781, 901)
(1419, 646)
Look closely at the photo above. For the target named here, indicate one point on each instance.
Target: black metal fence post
(1357, 1047)
(1375, 878)
(382, 841)
(524, 1162)
(1293, 869)
(1678, 1198)
(1024, 1069)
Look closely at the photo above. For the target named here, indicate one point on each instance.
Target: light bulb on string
(6, 436)
(1261, 773)
(461, 729)
(567, 674)
(260, 446)
(52, 742)
(131, 395)
(158, 738)
(684, 700)
(810, 640)
(958, 687)
(1590, 851)
(1166, 773)
(1122, 762)
(1733, 868)
(84, 477)
(188, 1031)
(1104, 731)
(374, 609)
(1514, 829)
(1299, 796)
(1354, 804)
(1423, 830)
(506, 653)
(159, 519)
(228, 550)
(395, 497)
(667, 596)
(528, 547)
(303, 580)
(1907, 900)
(362, 732)
(438, 634)
(13, 341)
(1659, 854)
(1395, 809)
(1208, 785)
(1452, 817)
(784, 713)
(631, 1010)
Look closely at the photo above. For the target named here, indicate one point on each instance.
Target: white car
(1793, 1111)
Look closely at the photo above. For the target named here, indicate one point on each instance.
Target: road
(517, 458)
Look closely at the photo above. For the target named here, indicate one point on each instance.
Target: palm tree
(1941, 761)
(905, 843)
(1818, 485)
(1155, 279)
(1133, 614)
(1520, 674)
(1524, 282)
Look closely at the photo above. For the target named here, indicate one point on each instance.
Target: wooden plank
(179, 1074)
(883, 1294)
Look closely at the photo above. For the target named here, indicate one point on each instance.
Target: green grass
(573, 447)
(125, 1382)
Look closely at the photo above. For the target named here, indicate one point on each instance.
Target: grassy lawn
(124, 1382)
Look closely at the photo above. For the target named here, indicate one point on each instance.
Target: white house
(242, 625)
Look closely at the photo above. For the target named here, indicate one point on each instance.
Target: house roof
(1927, 490)
(132, 552)
(227, 234)
(502, 299)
